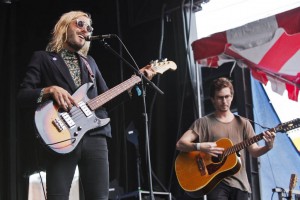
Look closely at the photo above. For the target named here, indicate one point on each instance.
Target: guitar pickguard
(214, 167)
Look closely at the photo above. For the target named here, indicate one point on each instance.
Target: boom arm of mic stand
(134, 69)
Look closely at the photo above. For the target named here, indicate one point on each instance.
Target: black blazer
(47, 69)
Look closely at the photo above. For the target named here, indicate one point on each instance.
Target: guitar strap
(92, 76)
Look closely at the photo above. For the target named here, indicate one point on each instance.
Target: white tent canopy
(268, 47)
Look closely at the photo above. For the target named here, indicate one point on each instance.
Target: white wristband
(198, 146)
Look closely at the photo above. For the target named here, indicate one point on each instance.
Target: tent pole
(199, 94)
(199, 88)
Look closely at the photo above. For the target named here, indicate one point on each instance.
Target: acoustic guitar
(198, 173)
(292, 185)
(61, 131)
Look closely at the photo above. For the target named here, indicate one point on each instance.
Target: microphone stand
(144, 78)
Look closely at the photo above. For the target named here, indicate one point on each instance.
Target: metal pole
(199, 91)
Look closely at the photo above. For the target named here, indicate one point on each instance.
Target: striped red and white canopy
(269, 47)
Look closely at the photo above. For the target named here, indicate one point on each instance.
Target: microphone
(99, 37)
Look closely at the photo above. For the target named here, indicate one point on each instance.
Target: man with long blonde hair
(55, 74)
(60, 36)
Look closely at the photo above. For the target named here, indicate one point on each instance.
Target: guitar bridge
(201, 165)
(58, 124)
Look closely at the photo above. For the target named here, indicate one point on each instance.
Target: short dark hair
(219, 84)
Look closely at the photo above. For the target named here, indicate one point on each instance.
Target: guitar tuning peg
(165, 59)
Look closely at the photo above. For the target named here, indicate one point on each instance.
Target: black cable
(155, 93)
(42, 183)
(38, 166)
(264, 127)
(184, 86)
(272, 195)
(160, 57)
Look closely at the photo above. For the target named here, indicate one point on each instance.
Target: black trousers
(221, 192)
(91, 156)
(225, 192)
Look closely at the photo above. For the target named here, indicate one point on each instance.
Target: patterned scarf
(71, 60)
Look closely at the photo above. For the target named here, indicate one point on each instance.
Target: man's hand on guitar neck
(148, 71)
(269, 138)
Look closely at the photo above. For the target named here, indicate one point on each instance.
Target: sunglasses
(81, 24)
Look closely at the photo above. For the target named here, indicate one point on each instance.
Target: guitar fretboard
(282, 127)
(244, 144)
(113, 92)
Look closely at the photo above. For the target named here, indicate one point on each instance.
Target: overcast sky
(220, 15)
